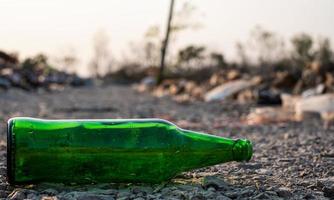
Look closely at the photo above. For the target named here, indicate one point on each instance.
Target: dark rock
(327, 186)
(106, 192)
(3, 194)
(7, 58)
(215, 182)
(50, 191)
(139, 198)
(320, 89)
(94, 197)
(283, 192)
(3, 186)
(32, 196)
(262, 196)
(17, 195)
(4, 83)
(329, 191)
(309, 196)
(251, 165)
(123, 193)
(222, 197)
(269, 97)
(197, 196)
(284, 80)
(246, 192)
(232, 194)
(210, 194)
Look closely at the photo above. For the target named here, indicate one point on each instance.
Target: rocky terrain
(292, 160)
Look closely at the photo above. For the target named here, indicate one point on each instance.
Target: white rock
(320, 104)
(227, 89)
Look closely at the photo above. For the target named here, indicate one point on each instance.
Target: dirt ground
(291, 160)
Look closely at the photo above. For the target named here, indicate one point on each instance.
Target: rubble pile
(34, 73)
(233, 84)
(281, 95)
(219, 86)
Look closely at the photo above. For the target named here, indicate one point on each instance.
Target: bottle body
(84, 151)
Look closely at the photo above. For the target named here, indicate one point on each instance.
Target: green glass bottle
(115, 150)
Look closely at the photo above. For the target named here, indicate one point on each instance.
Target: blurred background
(132, 31)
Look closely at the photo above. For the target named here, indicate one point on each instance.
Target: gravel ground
(291, 160)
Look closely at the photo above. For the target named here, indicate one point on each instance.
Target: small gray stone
(124, 194)
(327, 186)
(3, 186)
(166, 191)
(309, 196)
(88, 196)
(232, 194)
(283, 192)
(104, 191)
(211, 189)
(177, 194)
(3, 194)
(187, 187)
(17, 195)
(246, 192)
(271, 193)
(267, 172)
(222, 197)
(139, 198)
(262, 196)
(329, 191)
(215, 182)
(250, 165)
(197, 196)
(50, 191)
(210, 194)
(32, 196)
(123, 198)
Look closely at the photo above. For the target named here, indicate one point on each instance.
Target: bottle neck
(240, 149)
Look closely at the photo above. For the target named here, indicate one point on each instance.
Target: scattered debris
(320, 89)
(4, 83)
(149, 81)
(215, 182)
(226, 90)
(34, 73)
(322, 104)
(284, 192)
(327, 186)
(269, 97)
(267, 115)
(289, 101)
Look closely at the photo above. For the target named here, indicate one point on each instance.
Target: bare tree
(101, 57)
(267, 46)
(165, 42)
(152, 44)
(67, 59)
(178, 21)
(191, 55)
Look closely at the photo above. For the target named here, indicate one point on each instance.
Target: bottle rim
(10, 152)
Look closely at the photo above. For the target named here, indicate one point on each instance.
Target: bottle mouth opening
(242, 150)
(10, 146)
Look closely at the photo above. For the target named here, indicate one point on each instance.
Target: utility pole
(165, 43)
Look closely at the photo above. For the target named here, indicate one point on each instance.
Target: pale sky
(33, 26)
